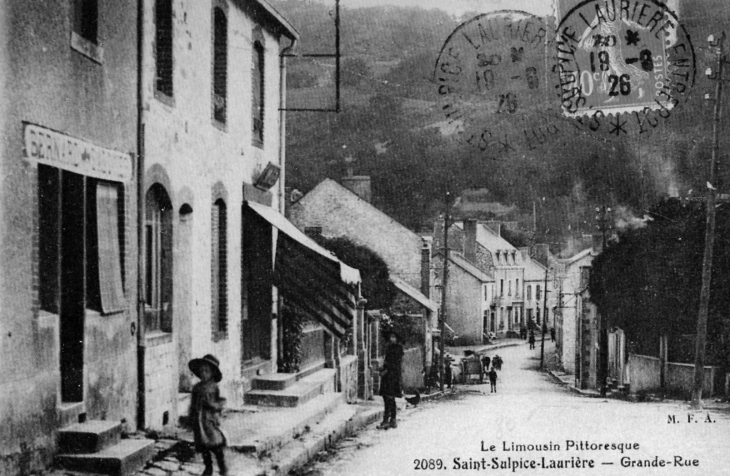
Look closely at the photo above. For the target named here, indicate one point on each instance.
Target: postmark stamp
(497, 84)
(624, 65)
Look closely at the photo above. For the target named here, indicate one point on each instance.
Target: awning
(309, 277)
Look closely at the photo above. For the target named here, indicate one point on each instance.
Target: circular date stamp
(624, 65)
(497, 83)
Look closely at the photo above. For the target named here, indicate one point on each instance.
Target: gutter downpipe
(276, 326)
(141, 404)
(282, 122)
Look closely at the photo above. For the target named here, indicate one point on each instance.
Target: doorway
(256, 287)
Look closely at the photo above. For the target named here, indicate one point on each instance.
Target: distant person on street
(532, 340)
(497, 362)
(523, 332)
(448, 376)
(206, 406)
(552, 334)
(493, 380)
(485, 364)
(390, 381)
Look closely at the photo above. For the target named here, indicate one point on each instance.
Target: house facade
(68, 222)
(468, 294)
(212, 89)
(336, 210)
(537, 303)
(569, 322)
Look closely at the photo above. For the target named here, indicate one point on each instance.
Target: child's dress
(205, 409)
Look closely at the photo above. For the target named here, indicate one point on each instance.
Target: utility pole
(444, 282)
(709, 225)
(602, 217)
(544, 321)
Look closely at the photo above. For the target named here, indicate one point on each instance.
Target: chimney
(426, 270)
(597, 243)
(470, 240)
(359, 185)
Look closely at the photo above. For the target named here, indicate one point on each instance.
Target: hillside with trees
(389, 127)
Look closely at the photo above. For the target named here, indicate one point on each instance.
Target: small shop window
(80, 217)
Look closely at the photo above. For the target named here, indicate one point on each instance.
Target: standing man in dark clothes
(390, 381)
(552, 334)
(493, 380)
(532, 340)
(448, 376)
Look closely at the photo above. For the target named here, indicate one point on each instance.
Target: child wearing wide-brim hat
(206, 406)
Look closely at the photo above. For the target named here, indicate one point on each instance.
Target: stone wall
(348, 377)
(680, 380)
(412, 370)
(644, 373)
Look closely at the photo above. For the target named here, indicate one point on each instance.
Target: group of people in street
(531, 337)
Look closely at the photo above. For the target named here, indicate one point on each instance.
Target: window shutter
(110, 268)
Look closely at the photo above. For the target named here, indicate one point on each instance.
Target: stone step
(273, 428)
(277, 381)
(282, 381)
(122, 459)
(89, 437)
(300, 392)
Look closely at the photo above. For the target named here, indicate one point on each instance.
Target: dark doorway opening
(256, 287)
(72, 287)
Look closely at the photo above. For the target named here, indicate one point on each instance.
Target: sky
(457, 7)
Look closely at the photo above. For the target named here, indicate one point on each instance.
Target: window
(158, 260)
(163, 45)
(538, 293)
(517, 287)
(219, 270)
(220, 64)
(509, 287)
(486, 292)
(501, 287)
(81, 219)
(257, 83)
(86, 19)
(529, 292)
(585, 276)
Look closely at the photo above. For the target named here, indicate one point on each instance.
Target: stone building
(334, 210)
(568, 324)
(68, 222)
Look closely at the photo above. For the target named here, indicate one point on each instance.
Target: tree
(376, 285)
(649, 282)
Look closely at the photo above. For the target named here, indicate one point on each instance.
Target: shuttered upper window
(163, 46)
(220, 64)
(219, 270)
(86, 19)
(258, 94)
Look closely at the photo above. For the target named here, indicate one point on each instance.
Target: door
(158, 260)
(256, 287)
(72, 286)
